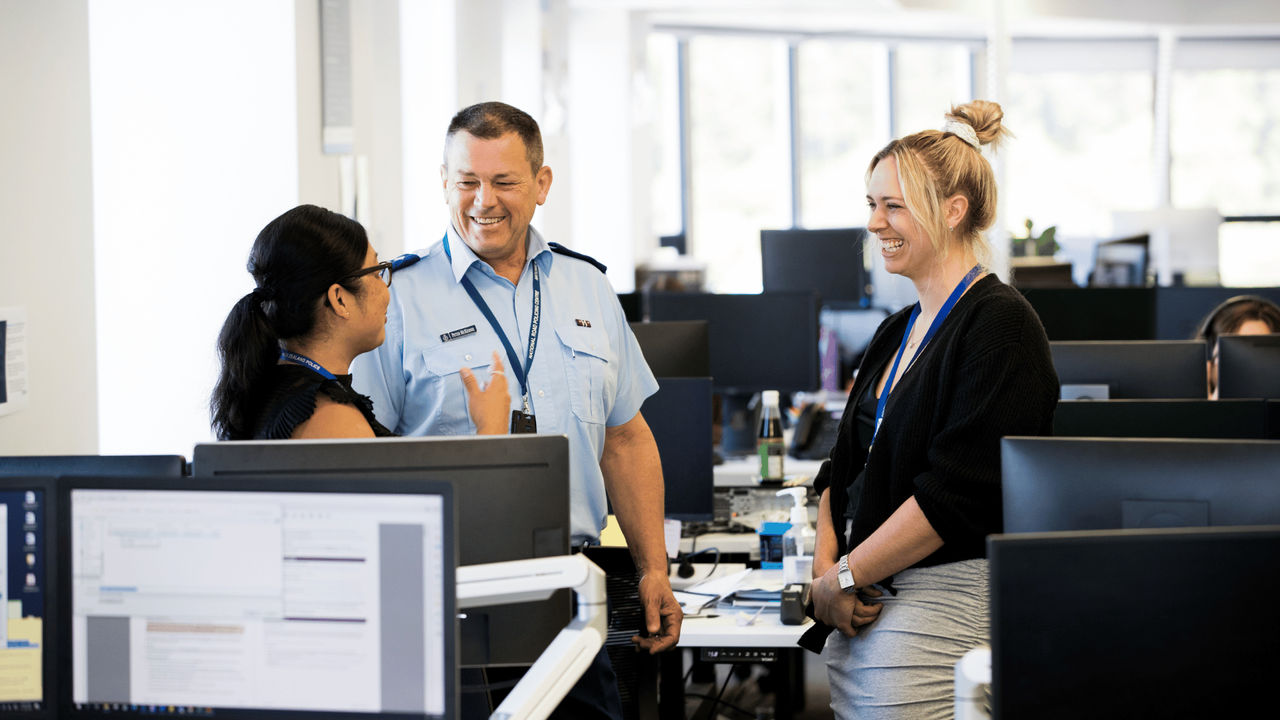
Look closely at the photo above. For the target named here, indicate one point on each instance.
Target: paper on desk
(721, 586)
(693, 603)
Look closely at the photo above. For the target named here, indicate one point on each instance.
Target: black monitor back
(679, 415)
(1052, 484)
(1095, 313)
(100, 465)
(1181, 310)
(758, 342)
(1244, 419)
(632, 306)
(1249, 366)
(676, 348)
(1114, 624)
(1140, 369)
(826, 260)
(513, 503)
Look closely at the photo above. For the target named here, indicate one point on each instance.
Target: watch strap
(845, 575)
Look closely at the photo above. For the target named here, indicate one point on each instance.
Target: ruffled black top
(291, 400)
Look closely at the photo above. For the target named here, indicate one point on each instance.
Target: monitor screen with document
(268, 596)
(513, 503)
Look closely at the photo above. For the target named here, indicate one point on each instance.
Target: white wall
(46, 221)
(376, 109)
(194, 150)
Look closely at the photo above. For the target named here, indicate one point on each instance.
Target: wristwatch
(845, 576)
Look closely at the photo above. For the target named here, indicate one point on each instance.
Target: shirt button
(467, 357)
(541, 393)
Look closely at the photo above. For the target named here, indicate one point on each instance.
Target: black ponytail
(294, 260)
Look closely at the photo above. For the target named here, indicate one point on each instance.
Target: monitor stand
(737, 424)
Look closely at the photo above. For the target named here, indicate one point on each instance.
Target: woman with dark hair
(285, 348)
(1240, 315)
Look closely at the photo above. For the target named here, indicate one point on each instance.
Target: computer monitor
(1125, 624)
(1096, 313)
(259, 596)
(1051, 484)
(679, 415)
(1161, 419)
(758, 342)
(28, 668)
(1249, 366)
(513, 503)
(677, 348)
(632, 306)
(1141, 369)
(829, 261)
(1121, 263)
(108, 465)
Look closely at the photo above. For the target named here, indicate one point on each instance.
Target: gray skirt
(902, 665)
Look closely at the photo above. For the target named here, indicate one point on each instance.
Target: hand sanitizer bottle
(798, 541)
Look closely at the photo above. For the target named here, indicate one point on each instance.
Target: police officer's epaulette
(558, 248)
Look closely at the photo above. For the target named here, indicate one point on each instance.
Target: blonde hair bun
(984, 117)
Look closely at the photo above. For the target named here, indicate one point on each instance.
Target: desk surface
(724, 631)
(718, 627)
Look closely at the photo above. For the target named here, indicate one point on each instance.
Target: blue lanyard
(933, 328)
(304, 360)
(521, 370)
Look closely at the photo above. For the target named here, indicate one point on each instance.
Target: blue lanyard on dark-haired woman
(308, 362)
(933, 328)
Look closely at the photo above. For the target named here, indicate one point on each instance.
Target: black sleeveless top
(290, 400)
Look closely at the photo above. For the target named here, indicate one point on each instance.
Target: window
(1082, 149)
(1224, 142)
(930, 78)
(665, 189)
(843, 122)
(739, 154)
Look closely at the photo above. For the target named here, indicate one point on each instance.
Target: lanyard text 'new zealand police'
(520, 369)
(933, 328)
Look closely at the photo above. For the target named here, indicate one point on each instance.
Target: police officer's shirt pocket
(588, 358)
(447, 397)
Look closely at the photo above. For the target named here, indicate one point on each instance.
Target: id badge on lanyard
(522, 421)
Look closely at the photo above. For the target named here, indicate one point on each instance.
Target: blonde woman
(912, 485)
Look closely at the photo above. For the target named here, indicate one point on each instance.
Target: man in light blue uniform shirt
(587, 378)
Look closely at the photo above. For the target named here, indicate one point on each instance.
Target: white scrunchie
(964, 131)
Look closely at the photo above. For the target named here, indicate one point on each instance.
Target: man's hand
(490, 406)
(843, 611)
(662, 614)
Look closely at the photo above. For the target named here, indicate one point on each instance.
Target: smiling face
(905, 247)
(492, 192)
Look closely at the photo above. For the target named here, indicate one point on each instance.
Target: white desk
(716, 636)
(718, 626)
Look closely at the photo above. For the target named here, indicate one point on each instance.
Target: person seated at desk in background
(912, 487)
(1240, 315)
(321, 300)
(494, 280)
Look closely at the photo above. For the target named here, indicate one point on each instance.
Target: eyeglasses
(383, 269)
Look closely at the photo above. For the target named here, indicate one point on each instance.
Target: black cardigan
(986, 374)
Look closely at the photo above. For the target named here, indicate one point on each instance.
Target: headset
(1203, 331)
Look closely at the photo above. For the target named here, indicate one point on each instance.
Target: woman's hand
(843, 611)
(490, 406)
